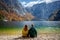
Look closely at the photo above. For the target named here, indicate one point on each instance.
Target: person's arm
(35, 33)
(28, 33)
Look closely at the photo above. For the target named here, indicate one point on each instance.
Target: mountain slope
(55, 16)
(12, 10)
(42, 11)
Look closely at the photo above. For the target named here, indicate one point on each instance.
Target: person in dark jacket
(32, 32)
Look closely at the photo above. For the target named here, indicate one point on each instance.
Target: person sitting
(25, 31)
(32, 32)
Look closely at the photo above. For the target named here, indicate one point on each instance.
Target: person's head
(32, 25)
(25, 27)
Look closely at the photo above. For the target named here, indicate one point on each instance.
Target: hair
(25, 27)
(32, 25)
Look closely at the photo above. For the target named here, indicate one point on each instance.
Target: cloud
(49, 1)
(30, 4)
(23, 3)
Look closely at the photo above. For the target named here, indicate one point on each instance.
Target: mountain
(42, 11)
(11, 5)
(55, 16)
(12, 10)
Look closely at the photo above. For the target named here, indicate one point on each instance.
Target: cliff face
(12, 10)
(12, 5)
(42, 11)
(55, 16)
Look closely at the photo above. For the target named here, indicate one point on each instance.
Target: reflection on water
(36, 23)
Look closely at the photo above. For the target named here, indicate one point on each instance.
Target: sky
(30, 3)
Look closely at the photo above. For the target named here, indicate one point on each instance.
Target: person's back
(25, 31)
(32, 32)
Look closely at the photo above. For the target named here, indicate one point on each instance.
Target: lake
(15, 27)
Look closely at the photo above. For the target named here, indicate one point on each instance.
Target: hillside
(42, 11)
(12, 10)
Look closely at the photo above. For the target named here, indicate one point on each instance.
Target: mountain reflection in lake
(36, 23)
